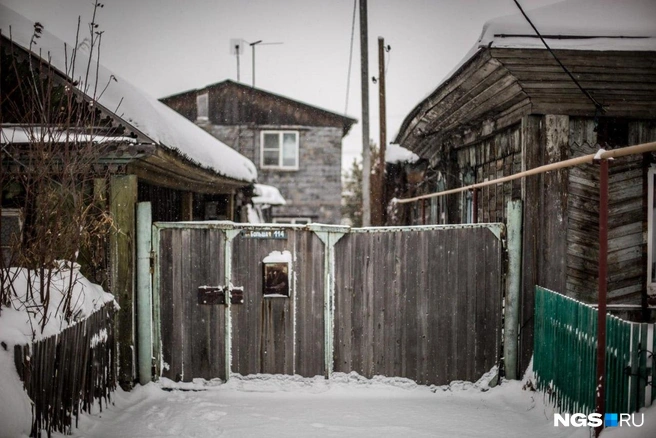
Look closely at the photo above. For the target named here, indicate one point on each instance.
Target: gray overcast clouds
(168, 46)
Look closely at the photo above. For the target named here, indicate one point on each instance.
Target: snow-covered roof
(578, 25)
(397, 154)
(585, 25)
(268, 195)
(624, 25)
(135, 108)
(23, 134)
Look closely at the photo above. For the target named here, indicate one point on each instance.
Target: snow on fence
(564, 361)
(68, 372)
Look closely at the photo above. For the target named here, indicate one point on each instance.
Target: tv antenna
(258, 43)
(237, 49)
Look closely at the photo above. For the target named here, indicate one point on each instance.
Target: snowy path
(272, 406)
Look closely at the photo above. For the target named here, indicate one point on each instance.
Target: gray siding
(312, 191)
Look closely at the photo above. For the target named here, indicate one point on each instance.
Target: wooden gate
(422, 303)
(417, 302)
(192, 336)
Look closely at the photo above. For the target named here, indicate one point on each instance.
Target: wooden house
(510, 106)
(296, 147)
(152, 153)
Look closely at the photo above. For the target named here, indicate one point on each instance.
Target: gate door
(192, 334)
(279, 329)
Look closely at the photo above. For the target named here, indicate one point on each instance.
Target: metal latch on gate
(217, 295)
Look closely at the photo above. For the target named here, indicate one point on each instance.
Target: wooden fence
(565, 356)
(425, 305)
(417, 302)
(64, 374)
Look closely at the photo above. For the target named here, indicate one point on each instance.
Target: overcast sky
(168, 46)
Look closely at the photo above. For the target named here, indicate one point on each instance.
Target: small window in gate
(277, 272)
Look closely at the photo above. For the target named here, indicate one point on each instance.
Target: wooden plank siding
(523, 97)
(498, 86)
(192, 335)
(627, 218)
(418, 303)
(425, 305)
(232, 103)
(494, 157)
(279, 335)
(544, 141)
(625, 82)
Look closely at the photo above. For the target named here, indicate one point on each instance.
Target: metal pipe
(600, 391)
(586, 159)
(144, 293)
(253, 44)
(513, 287)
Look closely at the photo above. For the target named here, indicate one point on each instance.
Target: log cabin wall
(492, 158)
(501, 94)
(627, 226)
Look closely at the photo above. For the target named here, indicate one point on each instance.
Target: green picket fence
(565, 356)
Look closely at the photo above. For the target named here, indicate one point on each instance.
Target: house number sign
(264, 234)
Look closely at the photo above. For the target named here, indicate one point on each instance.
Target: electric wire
(350, 64)
(599, 107)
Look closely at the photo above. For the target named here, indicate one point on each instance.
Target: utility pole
(383, 129)
(364, 77)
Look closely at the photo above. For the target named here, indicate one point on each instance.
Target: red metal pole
(475, 206)
(600, 390)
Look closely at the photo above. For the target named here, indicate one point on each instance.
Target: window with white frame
(202, 103)
(651, 233)
(279, 150)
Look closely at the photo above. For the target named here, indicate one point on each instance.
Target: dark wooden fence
(192, 335)
(420, 302)
(64, 374)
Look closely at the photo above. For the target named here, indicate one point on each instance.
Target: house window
(202, 103)
(651, 233)
(279, 150)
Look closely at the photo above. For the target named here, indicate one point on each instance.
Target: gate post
(144, 306)
(513, 286)
(230, 234)
(329, 239)
(122, 207)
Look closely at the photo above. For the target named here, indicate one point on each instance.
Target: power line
(597, 105)
(348, 76)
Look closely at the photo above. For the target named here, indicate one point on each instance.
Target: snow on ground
(346, 406)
